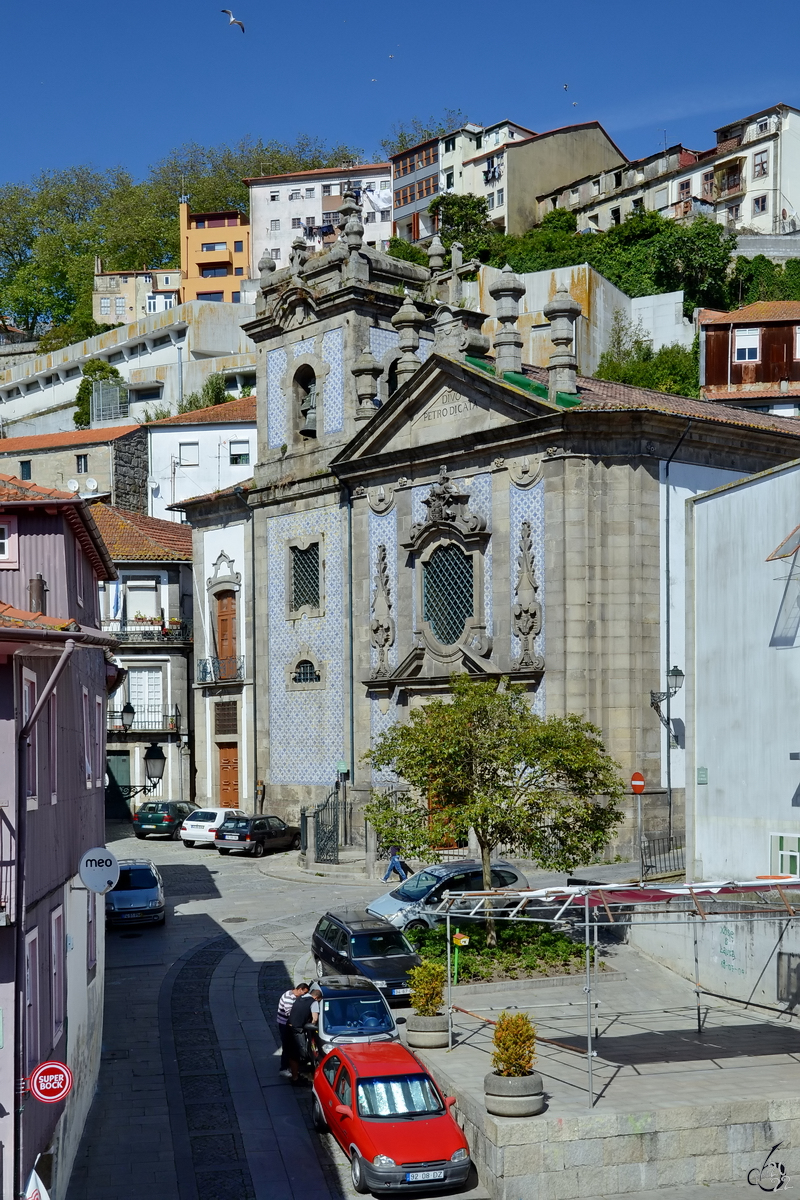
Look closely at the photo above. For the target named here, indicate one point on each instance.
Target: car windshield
(231, 823)
(202, 816)
(355, 1014)
(154, 808)
(397, 1096)
(416, 886)
(379, 945)
(135, 879)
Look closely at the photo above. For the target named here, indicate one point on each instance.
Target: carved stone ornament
(382, 627)
(526, 615)
(447, 505)
(381, 499)
(525, 474)
(224, 577)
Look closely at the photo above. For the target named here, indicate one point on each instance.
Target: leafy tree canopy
(418, 129)
(630, 358)
(464, 219)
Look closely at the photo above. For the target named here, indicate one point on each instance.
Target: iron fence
(662, 856)
(151, 717)
(220, 670)
(150, 631)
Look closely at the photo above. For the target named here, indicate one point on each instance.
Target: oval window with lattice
(447, 592)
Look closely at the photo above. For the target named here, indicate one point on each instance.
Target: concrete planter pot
(513, 1096)
(427, 1033)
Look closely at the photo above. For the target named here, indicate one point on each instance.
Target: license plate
(421, 1176)
(231, 837)
(147, 826)
(130, 916)
(401, 991)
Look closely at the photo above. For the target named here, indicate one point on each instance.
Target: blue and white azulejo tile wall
(333, 391)
(276, 400)
(527, 504)
(383, 531)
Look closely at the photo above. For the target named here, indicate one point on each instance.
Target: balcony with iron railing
(220, 670)
(147, 718)
(727, 186)
(150, 630)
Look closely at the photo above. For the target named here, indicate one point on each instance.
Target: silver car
(137, 898)
(412, 904)
(353, 1010)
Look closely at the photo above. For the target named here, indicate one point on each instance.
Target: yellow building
(215, 254)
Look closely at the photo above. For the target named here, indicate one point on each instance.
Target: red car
(390, 1119)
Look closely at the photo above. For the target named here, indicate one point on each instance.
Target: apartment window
(152, 305)
(25, 468)
(428, 187)
(105, 306)
(81, 463)
(759, 205)
(98, 742)
(369, 218)
(745, 345)
(490, 201)
(226, 717)
(386, 214)
(189, 454)
(238, 270)
(305, 589)
(274, 226)
(87, 739)
(763, 125)
(116, 357)
(449, 180)
(760, 164)
(32, 999)
(617, 179)
(708, 185)
(638, 203)
(427, 156)
(326, 189)
(31, 750)
(236, 297)
(616, 216)
(91, 931)
(449, 145)
(213, 272)
(199, 224)
(595, 187)
(165, 282)
(574, 195)
(211, 297)
(501, 197)
(239, 454)
(384, 185)
(295, 194)
(310, 191)
(52, 744)
(311, 222)
(276, 254)
(684, 189)
(57, 972)
(210, 247)
(479, 141)
(274, 196)
(734, 212)
(784, 854)
(119, 306)
(404, 165)
(238, 247)
(405, 195)
(297, 223)
(661, 198)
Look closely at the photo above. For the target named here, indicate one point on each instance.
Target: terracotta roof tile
(19, 491)
(133, 537)
(243, 409)
(244, 486)
(10, 616)
(74, 437)
(739, 396)
(752, 314)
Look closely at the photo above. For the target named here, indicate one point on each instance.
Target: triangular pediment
(444, 400)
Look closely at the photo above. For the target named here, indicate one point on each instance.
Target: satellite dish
(152, 482)
(91, 484)
(73, 485)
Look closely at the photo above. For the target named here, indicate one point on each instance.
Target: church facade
(424, 503)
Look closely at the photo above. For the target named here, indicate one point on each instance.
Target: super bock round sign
(51, 1082)
(99, 870)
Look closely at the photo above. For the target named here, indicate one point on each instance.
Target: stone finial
(436, 254)
(298, 255)
(507, 291)
(456, 255)
(457, 333)
(266, 266)
(351, 229)
(562, 312)
(407, 321)
(367, 372)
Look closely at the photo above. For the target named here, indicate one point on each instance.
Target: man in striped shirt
(289, 1064)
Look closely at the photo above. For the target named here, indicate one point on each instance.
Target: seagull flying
(566, 87)
(233, 20)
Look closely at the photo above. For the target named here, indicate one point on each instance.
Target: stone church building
(424, 503)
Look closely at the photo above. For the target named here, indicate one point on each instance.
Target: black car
(256, 835)
(353, 942)
(161, 816)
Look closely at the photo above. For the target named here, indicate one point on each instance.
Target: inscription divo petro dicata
(449, 404)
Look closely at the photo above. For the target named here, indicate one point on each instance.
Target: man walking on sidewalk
(394, 864)
(289, 1066)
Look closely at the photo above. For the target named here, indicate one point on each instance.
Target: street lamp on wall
(675, 678)
(154, 763)
(128, 715)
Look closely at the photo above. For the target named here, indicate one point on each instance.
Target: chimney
(37, 595)
(507, 290)
(562, 312)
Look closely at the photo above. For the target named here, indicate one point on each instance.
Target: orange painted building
(215, 254)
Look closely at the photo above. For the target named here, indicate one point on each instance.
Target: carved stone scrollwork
(524, 475)
(446, 504)
(381, 499)
(526, 615)
(382, 627)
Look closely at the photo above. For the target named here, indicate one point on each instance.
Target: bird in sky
(566, 87)
(391, 56)
(233, 20)
(373, 81)
(574, 103)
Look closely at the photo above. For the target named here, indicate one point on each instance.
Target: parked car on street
(391, 1120)
(200, 827)
(161, 816)
(256, 835)
(412, 904)
(137, 898)
(352, 1010)
(351, 941)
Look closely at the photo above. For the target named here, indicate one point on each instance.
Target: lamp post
(154, 763)
(675, 678)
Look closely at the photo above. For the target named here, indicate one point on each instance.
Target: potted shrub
(428, 1028)
(513, 1088)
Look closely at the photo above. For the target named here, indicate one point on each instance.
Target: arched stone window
(305, 672)
(391, 379)
(447, 592)
(305, 395)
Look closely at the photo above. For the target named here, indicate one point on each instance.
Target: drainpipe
(19, 909)
(668, 631)
(240, 496)
(351, 664)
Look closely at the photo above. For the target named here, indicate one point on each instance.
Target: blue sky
(111, 83)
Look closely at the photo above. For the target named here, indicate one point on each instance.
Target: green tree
(94, 369)
(409, 133)
(630, 358)
(482, 760)
(464, 219)
(400, 248)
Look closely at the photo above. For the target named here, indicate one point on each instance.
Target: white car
(201, 827)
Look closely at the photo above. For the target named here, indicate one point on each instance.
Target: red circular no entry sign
(637, 781)
(51, 1082)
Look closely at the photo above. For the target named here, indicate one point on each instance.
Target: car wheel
(258, 850)
(139, 836)
(295, 842)
(318, 1117)
(223, 850)
(188, 843)
(357, 1174)
(416, 925)
(175, 834)
(320, 968)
